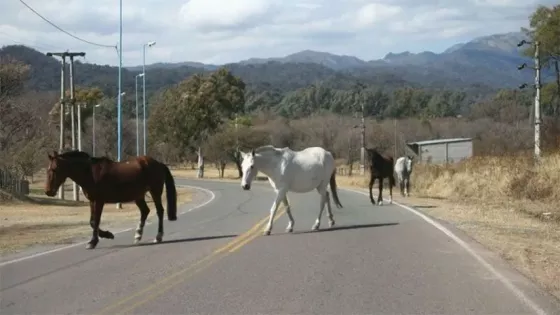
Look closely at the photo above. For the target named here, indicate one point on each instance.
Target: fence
(12, 182)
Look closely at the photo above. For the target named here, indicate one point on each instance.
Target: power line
(65, 32)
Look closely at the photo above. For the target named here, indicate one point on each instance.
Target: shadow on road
(180, 240)
(348, 227)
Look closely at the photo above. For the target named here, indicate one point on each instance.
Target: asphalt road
(376, 260)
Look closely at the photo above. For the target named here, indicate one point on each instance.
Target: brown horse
(105, 181)
(380, 167)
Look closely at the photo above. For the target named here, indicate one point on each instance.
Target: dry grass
(40, 220)
(505, 203)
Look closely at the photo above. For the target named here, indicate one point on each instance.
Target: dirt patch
(41, 220)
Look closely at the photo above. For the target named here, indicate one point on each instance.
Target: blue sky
(221, 31)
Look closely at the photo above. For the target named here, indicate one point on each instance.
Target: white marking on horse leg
(280, 195)
(290, 227)
(138, 233)
(329, 210)
(323, 192)
(159, 237)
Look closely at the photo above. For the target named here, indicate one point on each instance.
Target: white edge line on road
(515, 290)
(9, 262)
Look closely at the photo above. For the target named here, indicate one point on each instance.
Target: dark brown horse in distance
(105, 181)
(380, 167)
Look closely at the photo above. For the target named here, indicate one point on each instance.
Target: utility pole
(537, 86)
(395, 132)
(362, 134)
(149, 44)
(62, 107)
(119, 117)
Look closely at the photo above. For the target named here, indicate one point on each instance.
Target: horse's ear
(253, 152)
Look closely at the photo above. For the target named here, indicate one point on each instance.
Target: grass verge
(39, 220)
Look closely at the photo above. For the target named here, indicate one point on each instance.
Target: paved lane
(382, 260)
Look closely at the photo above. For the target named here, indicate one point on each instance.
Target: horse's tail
(333, 190)
(171, 195)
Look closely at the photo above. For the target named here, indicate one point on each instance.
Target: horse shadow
(180, 240)
(347, 227)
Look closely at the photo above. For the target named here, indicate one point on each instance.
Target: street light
(137, 126)
(119, 205)
(149, 44)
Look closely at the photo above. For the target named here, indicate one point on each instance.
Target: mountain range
(489, 60)
(486, 63)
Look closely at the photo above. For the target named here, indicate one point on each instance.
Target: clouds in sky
(221, 31)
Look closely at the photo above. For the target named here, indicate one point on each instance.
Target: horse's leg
(290, 227)
(380, 197)
(144, 212)
(159, 210)
(96, 208)
(329, 210)
(280, 195)
(391, 183)
(402, 185)
(407, 186)
(322, 190)
(371, 181)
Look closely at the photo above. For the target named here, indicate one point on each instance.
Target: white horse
(403, 168)
(295, 171)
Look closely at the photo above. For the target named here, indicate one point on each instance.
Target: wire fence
(12, 182)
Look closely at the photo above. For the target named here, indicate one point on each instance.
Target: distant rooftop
(437, 141)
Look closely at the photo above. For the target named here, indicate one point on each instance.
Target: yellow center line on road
(172, 280)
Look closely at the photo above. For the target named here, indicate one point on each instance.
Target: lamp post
(119, 205)
(149, 44)
(137, 124)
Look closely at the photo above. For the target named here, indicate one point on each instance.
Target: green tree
(545, 27)
(186, 114)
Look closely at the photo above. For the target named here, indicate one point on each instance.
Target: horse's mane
(85, 155)
(267, 149)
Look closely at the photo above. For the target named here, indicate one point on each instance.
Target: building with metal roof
(442, 150)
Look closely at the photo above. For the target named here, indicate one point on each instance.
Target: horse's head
(61, 167)
(409, 160)
(56, 174)
(248, 169)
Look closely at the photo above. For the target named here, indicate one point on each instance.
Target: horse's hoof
(110, 235)
(331, 223)
(315, 227)
(266, 232)
(91, 244)
(157, 240)
(289, 230)
(137, 241)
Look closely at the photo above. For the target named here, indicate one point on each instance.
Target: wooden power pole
(63, 102)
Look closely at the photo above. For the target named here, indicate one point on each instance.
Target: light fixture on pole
(137, 123)
(149, 44)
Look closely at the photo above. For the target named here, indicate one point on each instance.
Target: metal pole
(119, 206)
(73, 122)
(538, 121)
(62, 109)
(93, 132)
(395, 130)
(79, 108)
(137, 127)
(144, 96)
(363, 143)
